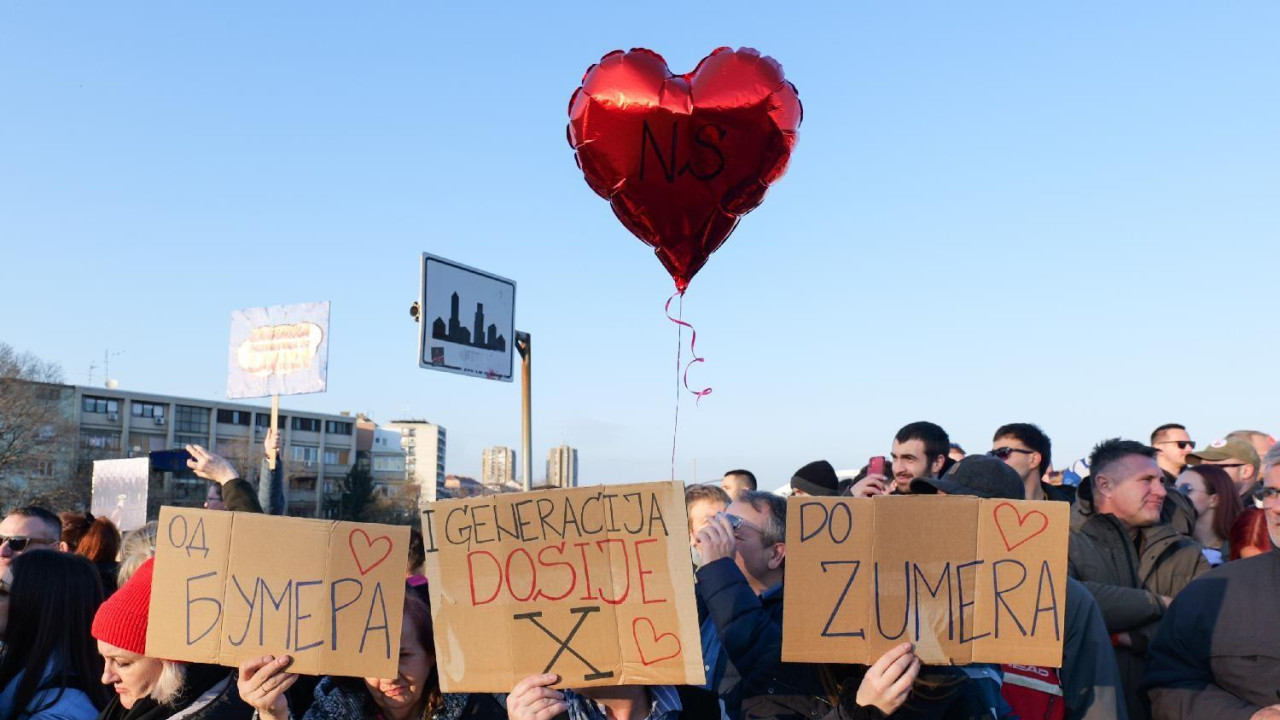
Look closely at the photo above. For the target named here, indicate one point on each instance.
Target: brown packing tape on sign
(963, 579)
(594, 584)
(230, 586)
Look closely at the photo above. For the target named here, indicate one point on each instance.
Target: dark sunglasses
(1004, 452)
(19, 543)
(1182, 444)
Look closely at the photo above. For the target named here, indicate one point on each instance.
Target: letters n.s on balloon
(681, 158)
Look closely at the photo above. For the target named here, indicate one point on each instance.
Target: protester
(74, 526)
(1215, 656)
(736, 482)
(49, 666)
(1267, 497)
(1025, 448)
(956, 453)
(149, 688)
(817, 478)
(235, 494)
(29, 528)
(1217, 506)
(919, 450)
(1235, 456)
(1088, 680)
(271, 483)
(137, 547)
(1173, 445)
(1249, 535)
(414, 693)
(701, 504)
(1261, 442)
(1131, 563)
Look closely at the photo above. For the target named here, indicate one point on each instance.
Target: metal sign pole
(526, 435)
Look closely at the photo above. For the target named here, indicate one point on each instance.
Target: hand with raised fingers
(210, 466)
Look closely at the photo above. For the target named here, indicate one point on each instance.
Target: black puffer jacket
(209, 693)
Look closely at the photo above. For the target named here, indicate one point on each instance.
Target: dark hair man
(736, 482)
(1132, 563)
(920, 450)
(29, 528)
(702, 503)
(1025, 448)
(1173, 445)
(1214, 655)
(1237, 457)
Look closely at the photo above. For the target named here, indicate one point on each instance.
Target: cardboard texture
(964, 579)
(278, 350)
(594, 584)
(230, 586)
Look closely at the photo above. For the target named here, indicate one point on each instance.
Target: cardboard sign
(467, 323)
(120, 491)
(964, 579)
(230, 586)
(593, 584)
(280, 350)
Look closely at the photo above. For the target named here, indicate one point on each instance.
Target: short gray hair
(1271, 459)
(775, 528)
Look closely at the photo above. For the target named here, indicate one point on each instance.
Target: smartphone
(169, 460)
(875, 466)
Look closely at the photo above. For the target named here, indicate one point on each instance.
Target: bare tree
(36, 421)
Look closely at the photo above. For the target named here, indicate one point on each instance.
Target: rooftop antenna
(92, 367)
(106, 367)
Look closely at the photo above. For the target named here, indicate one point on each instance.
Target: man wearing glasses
(1237, 457)
(1215, 653)
(1025, 448)
(1173, 445)
(29, 528)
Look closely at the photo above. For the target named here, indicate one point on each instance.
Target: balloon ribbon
(693, 346)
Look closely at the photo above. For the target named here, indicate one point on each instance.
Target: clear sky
(1064, 213)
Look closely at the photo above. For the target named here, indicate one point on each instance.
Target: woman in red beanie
(149, 688)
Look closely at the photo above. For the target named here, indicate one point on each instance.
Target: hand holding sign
(533, 699)
(888, 682)
(262, 683)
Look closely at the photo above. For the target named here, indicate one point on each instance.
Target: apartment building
(562, 467)
(424, 446)
(498, 466)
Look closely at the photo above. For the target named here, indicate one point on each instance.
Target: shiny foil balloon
(682, 157)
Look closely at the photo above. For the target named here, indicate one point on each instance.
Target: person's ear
(777, 555)
(1213, 501)
(1248, 472)
(1102, 485)
(936, 466)
(63, 547)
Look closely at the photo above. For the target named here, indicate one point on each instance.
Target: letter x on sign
(582, 613)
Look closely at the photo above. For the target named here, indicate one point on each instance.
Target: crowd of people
(1172, 562)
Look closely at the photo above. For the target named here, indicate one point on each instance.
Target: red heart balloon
(682, 157)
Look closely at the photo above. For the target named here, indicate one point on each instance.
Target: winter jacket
(1062, 493)
(209, 693)
(750, 632)
(239, 496)
(1217, 653)
(271, 487)
(1090, 678)
(347, 699)
(1177, 511)
(1127, 581)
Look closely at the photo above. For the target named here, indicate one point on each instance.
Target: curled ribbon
(693, 346)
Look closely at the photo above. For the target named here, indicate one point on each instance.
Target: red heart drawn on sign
(656, 644)
(368, 550)
(1012, 525)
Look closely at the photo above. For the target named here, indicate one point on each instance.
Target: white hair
(138, 546)
(173, 675)
(1271, 459)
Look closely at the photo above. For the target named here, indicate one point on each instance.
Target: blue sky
(997, 212)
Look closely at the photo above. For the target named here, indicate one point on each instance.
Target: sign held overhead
(279, 350)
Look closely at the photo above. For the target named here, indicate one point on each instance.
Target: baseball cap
(1226, 449)
(977, 475)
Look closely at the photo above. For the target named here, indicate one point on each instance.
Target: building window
(189, 419)
(304, 454)
(185, 440)
(306, 424)
(335, 427)
(336, 457)
(147, 410)
(100, 405)
(264, 420)
(388, 464)
(95, 440)
(236, 417)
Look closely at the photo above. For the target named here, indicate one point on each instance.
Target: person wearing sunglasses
(29, 528)
(1217, 506)
(1237, 457)
(1025, 448)
(1173, 445)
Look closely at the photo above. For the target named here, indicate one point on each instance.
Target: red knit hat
(122, 619)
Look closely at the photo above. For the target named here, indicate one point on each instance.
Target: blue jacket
(53, 704)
